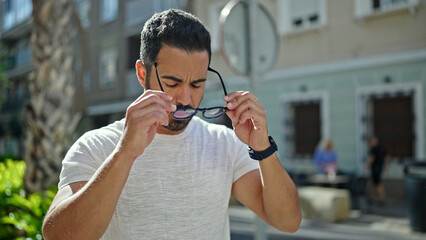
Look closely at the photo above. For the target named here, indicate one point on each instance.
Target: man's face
(182, 75)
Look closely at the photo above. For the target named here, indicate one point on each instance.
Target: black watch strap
(263, 154)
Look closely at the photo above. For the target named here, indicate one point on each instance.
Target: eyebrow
(173, 78)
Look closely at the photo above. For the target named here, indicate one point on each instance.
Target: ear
(141, 72)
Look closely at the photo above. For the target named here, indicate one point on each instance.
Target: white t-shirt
(179, 188)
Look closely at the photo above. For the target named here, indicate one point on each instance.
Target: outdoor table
(328, 179)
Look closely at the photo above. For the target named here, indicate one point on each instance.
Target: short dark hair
(175, 28)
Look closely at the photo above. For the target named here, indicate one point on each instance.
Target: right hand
(143, 117)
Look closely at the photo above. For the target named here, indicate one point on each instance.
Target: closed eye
(198, 83)
(195, 86)
(171, 85)
(172, 81)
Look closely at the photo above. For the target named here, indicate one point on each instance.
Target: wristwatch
(259, 156)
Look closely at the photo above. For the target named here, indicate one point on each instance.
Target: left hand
(248, 118)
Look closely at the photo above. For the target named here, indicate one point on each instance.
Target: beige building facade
(345, 70)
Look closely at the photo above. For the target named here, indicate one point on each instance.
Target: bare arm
(83, 210)
(270, 192)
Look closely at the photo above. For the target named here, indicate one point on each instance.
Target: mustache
(183, 107)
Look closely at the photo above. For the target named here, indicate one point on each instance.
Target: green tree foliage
(21, 214)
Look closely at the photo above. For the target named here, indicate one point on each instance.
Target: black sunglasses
(187, 112)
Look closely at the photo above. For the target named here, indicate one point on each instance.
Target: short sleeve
(80, 163)
(243, 163)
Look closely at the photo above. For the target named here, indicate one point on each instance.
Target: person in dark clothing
(377, 161)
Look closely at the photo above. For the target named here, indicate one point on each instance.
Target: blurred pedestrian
(377, 161)
(325, 158)
(163, 173)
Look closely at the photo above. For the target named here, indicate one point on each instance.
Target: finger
(146, 122)
(231, 115)
(163, 116)
(152, 94)
(232, 96)
(241, 98)
(151, 99)
(137, 110)
(258, 119)
(235, 95)
(246, 106)
(161, 94)
(155, 118)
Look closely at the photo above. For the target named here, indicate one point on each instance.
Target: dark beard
(177, 125)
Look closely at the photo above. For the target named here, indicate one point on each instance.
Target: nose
(184, 96)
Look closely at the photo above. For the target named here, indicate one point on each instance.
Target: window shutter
(284, 16)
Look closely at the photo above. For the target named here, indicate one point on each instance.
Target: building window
(307, 127)
(133, 48)
(83, 9)
(15, 12)
(367, 8)
(23, 10)
(387, 4)
(301, 15)
(109, 10)
(23, 55)
(395, 114)
(305, 123)
(8, 15)
(7, 6)
(392, 123)
(108, 69)
(138, 11)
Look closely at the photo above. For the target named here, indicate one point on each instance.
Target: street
(363, 228)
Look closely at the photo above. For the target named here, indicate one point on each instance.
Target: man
(161, 173)
(377, 161)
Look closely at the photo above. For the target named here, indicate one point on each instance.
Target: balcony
(21, 30)
(18, 64)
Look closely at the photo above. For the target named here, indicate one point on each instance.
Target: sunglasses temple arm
(221, 80)
(158, 79)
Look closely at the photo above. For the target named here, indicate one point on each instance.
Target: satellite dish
(234, 34)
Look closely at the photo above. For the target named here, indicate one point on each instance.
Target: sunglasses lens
(214, 112)
(182, 113)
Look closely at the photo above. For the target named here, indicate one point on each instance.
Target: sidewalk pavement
(360, 225)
